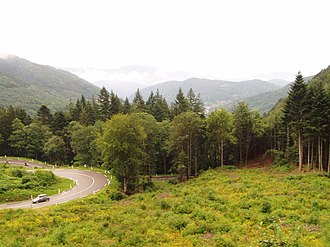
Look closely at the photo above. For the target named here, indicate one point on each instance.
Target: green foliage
(184, 133)
(54, 149)
(220, 132)
(248, 125)
(117, 195)
(84, 144)
(122, 148)
(104, 104)
(180, 105)
(157, 106)
(219, 208)
(138, 104)
(17, 184)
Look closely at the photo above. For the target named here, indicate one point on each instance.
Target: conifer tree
(157, 106)
(104, 104)
(318, 120)
(126, 106)
(138, 104)
(180, 104)
(195, 103)
(295, 112)
(76, 110)
(115, 104)
(58, 123)
(44, 116)
(87, 116)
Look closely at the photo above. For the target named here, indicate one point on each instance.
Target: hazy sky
(223, 39)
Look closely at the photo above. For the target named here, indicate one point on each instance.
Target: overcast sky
(223, 39)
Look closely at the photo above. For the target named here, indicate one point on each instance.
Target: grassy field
(246, 207)
(17, 184)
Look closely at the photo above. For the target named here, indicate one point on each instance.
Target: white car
(40, 198)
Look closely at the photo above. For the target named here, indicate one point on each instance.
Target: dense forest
(141, 138)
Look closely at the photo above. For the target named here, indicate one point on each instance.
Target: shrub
(18, 173)
(45, 178)
(266, 207)
(117, 195)
(164, 205)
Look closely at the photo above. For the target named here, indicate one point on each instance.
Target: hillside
(265, 101)
(124, 81)
(322, 79)
(28, 85)
(212, 92)
(219, 208)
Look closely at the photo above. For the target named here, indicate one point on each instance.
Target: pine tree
(151, 103)
(76, 111)
(126, 107)
(82, 101)
(138, 104)
(58, 123)
(157, 106)
(44, 116)
(115, 104)
(318, 119)
(295, 112)
(180, 104)
(104, 104)
(87, 116)
(195, 103)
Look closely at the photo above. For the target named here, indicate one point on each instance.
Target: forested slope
(28, 85)
(211, 91)
(263, 102)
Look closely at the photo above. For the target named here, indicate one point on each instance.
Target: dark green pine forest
(145, 137)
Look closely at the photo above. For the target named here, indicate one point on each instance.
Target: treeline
(300, 125)
(149, 137)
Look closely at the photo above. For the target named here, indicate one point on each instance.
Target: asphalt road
(87, 182)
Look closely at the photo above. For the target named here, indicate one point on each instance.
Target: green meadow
(245, 207)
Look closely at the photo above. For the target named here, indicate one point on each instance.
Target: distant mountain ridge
(212, 92)
(124, 81)
(264, 102)
(28, 85)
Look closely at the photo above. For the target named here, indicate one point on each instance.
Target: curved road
(87, 182)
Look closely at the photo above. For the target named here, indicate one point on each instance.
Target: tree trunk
(319, 153)
(312, 155)
(164, 164)
(329, 156)
(221, 152)
(240, 153)
(308, 155)
(196, 166)
(301, 149)
(321, 163)
(189, 159)
(246, 154)
(287, 143)
(125, 185)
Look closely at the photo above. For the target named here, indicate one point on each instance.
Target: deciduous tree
(122, 148)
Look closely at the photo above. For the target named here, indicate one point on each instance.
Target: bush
(117, 195)
(18, 173)
(45, 178)
(146, 184)
(266, 207)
